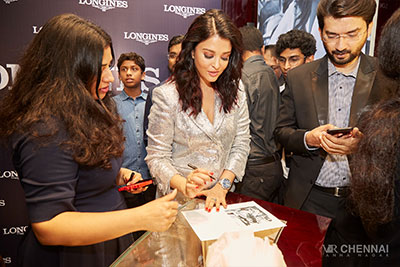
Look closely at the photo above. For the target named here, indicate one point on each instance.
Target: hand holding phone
(340, 131)
(137, 185)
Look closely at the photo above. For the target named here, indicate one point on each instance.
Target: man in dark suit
(263, 175)
(325, 94)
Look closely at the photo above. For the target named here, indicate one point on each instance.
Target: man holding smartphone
(325, 94)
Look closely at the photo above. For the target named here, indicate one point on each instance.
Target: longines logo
(104, 5)
(146, 38)
(184, 11)
(5, 76)
(9, 175)
(17, 230)
(36, 29)
(10, 1)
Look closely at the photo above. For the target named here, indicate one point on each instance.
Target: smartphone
(137, 185)
(342, 131)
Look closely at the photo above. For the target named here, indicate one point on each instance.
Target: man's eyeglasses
(349, 37)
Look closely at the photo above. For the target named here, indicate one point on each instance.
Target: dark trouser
(322, 203)
(263, 181)
(346, 236)
(345, 233)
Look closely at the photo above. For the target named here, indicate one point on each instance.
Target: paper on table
(246, 216)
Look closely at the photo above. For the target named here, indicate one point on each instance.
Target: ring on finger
(215, 200)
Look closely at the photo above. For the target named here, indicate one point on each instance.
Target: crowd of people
(234, 115)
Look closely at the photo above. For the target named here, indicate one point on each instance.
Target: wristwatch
(225, 183)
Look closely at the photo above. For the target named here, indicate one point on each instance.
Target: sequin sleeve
(160, 137)
(240, 149)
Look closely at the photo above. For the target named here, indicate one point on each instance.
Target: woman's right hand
(160, 213)
(196, 181)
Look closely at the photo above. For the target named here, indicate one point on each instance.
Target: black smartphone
(342, 131)
(137, 185)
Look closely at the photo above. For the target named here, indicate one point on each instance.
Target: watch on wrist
(225, 183)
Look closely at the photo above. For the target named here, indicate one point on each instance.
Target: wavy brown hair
(53, 86)
(185, 75)
(389, 47)
(375, 166)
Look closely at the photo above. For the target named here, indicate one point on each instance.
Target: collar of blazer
(205, 125)
(362, 88)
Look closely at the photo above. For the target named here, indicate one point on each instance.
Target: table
(300, 242)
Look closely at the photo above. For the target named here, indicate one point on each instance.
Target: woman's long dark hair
(185, 75)
(389, 47)
(53, 86)
(375, 165)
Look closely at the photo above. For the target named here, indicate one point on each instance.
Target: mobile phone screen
(342, 131)
(135, 186)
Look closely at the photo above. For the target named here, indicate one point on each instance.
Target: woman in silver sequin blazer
(200, 116)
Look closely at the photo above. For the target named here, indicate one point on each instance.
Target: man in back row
(271, 58)
(294, 48)
(263, 174)
(327, 93)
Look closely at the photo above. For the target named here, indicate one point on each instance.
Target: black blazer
(305, 106)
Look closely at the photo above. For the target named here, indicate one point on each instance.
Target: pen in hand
(194, 168)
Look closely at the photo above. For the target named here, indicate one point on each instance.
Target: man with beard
(373, 216)
(130, 104)
(325, 94)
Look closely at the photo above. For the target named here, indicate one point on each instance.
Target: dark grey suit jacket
(263, 99)
(305, 105)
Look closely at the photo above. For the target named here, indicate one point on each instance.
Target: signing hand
(344, 145)
(196, 181)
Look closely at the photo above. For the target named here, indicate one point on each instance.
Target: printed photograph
(248, 216)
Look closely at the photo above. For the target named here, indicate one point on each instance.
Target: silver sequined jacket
(176, 139)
